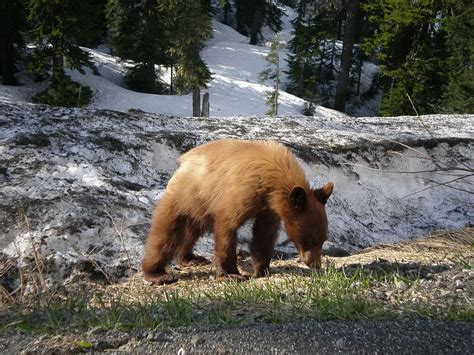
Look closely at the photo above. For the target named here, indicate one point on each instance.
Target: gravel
(401, 336)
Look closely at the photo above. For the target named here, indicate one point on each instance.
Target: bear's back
(234, 173)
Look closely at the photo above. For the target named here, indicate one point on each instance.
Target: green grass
(330, 295)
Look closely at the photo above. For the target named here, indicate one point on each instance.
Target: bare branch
(446, 184)
(433, 137)
(120, 234)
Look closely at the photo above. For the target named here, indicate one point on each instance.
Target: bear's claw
(161, 279)
(235, 277)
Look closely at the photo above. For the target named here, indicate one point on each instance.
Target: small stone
(402, 286)
(96, 331)
(458, 284)
(459, 276)
(160, 336)
(380, 294)
(340, 343)
(197, 340)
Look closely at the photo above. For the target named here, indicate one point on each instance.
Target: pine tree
(273, 73)
(94, 26)
(304, 52)
(192, 26)
(12, 22)
(411, 45)
(253, 14)
(458, 95)
(312, 50)
(55, 30)
(139, 31)
(343, 80)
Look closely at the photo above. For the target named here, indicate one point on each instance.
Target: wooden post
(196, 102)
(205, 105)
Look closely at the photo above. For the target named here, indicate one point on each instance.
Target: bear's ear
(298, 199)
(324, 192)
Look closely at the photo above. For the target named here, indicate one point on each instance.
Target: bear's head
(306, 223)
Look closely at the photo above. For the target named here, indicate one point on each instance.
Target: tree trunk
(227, 8)
(196, 102)
(256, 25)
(205, 105)
(7, 61)
(171, 81)
(359, 73)
(150, 77)
(342, 87)
(58, 67)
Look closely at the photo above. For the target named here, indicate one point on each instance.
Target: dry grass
(435, 248)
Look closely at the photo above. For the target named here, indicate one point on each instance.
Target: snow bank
(80, 185)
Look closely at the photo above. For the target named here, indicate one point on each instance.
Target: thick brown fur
(219, 186)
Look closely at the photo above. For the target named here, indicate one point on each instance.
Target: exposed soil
(441, 262)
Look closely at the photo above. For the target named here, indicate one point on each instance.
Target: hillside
(235, 88)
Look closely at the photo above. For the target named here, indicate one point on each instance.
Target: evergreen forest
(423, 49)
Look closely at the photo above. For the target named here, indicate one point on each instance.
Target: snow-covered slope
(234, 89)
(80, 185)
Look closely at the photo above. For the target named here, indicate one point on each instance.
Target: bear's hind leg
(265, 234)
(226, 252)
(184, 255)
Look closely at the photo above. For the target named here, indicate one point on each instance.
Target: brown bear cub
(219, 186)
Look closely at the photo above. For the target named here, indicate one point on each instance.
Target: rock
(197, 340)
(402, 286)
(340, 344)
(96, 331)
(458, 284)
(331, 249)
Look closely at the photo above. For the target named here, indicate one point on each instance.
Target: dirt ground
(442, 262)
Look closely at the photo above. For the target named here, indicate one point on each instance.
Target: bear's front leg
(265, 234)
(226, 252)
